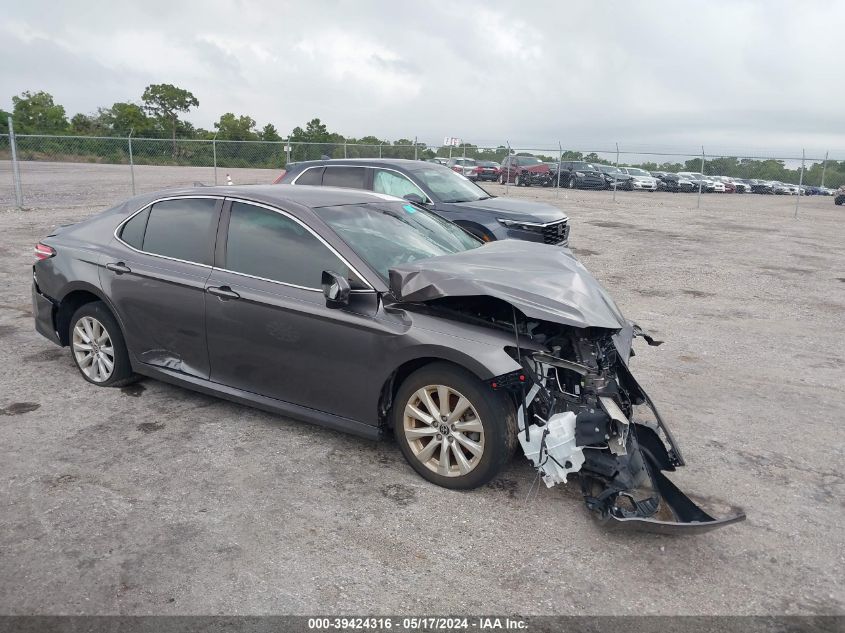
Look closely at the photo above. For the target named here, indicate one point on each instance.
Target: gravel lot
(154, 499)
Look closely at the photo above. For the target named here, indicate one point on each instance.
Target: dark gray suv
(365, 313)
(449, 194)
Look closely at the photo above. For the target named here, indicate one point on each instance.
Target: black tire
(572, 183)
(629, 186)
(501, 179)
(122, 368)
(495, 410)
(517, 181)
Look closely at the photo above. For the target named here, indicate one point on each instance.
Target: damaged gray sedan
(367, 314)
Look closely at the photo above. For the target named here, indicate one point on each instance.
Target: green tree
(269, 133)
(314, 141)
(123, 117)
(4, 121)
(236, 128)
(36, 113)
(165, 102)
(87, 125)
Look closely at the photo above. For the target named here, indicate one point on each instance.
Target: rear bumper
(43, 310)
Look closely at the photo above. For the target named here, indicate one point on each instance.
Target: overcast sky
(755, 77)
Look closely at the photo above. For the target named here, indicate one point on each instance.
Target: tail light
(279, 179)
(42, 252)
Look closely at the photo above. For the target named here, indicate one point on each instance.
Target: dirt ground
(156, 500)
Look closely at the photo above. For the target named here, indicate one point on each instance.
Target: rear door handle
(224, 292)
(118, 267)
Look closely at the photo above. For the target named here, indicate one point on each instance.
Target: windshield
(635, 171)
(528, 160)
(448, 186)
(386, 234)
(583, 167)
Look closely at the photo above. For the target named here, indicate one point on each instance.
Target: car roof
(304, 195)
(400, 163)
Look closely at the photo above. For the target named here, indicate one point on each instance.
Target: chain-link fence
(46, 170)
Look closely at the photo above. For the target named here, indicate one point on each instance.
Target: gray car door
(268, 327)
(155, 273)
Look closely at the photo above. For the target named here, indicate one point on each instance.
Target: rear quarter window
(133, 231)
(312, 176)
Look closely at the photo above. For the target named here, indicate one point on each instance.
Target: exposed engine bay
(580, 410)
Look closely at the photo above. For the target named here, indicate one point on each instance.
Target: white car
(642, 180)
(708, 185)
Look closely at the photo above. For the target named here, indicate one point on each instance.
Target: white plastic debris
(551, 448)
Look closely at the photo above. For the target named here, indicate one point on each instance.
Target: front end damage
(580, 410)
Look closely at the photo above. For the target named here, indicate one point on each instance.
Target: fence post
(344, 149)
(214, 153)
(16, 172)
(415, 149)
(559, 161)
(824, 167)
(800, 184)
(287, 152)
(507, 176)
(131, 160)
(701, 180)
(616, 175)
(379, 150)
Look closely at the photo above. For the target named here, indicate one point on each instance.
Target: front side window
(385, 234)
(270, 245)
(182, 229)
(448, 186)
(349, 177)
(394, 184)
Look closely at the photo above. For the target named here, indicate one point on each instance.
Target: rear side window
(133, 231)
(266, 244)
(182, 229)
(350, 177)
(311, 176)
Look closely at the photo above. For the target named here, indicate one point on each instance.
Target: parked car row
(524, 170)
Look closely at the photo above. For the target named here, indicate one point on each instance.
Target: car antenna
(521, 383)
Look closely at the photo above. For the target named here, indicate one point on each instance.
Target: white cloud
(736, 75)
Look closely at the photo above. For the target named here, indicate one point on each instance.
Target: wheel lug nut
(439, 437)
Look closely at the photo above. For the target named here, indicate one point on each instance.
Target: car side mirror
(414, 197)
(336, 289)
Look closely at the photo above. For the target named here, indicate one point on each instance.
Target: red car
(525, 171)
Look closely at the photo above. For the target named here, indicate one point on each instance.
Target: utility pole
(616, 175)
(701, 180)
(800, 184)
(131, 160)
(214, 153)
(16, 171)
(824, 167)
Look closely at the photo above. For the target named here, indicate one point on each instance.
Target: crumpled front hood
(513, 209)
(543, 282)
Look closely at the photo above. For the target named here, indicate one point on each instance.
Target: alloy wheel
(443, 430)
(93, 349)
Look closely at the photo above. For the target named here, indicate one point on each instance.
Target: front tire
(452, 429)
(517, 181)
(98, 348)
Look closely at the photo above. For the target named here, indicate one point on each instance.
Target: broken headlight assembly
(581, 412)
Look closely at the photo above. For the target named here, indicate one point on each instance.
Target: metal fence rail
(32, 158)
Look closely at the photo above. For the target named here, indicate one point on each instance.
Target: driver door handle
(118, 267)
(224, 292)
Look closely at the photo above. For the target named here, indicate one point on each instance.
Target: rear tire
(466, 452)
(98, 348)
